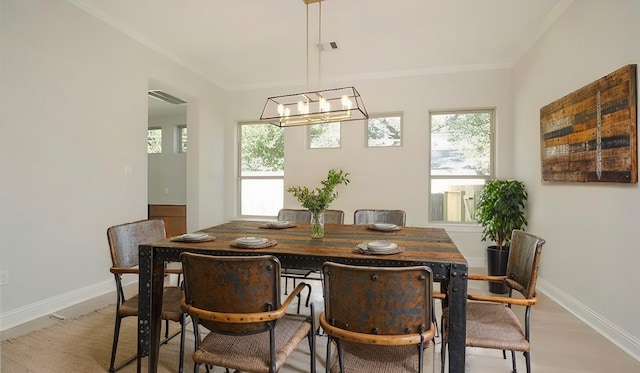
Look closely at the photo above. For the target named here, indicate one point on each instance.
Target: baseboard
(628, 343)
(48, 306)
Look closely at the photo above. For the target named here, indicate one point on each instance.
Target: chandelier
(314, 107)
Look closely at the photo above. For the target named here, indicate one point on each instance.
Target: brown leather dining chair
(378, 317)
(237, 298)
(123, 244)
(491, 322)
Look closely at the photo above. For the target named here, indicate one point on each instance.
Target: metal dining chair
(372, 216)
(491, 322)
(123, 244)
(304, 216)
(237, 298)
(378, 317)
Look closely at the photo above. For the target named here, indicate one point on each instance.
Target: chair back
(304, 216)
(333, 217)
(372, 216)
(295, 215)
(125, 238)
(232, 284)
(378, 300)
(524, 259)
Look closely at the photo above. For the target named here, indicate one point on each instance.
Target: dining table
(294, 247)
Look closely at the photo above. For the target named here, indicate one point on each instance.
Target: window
(324, 135)
(154, 140)
(461, 162)
(182, 139)
(384, 130)
(261, 169)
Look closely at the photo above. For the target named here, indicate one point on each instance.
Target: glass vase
(317, 224)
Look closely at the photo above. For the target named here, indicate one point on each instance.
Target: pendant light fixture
(314, 107)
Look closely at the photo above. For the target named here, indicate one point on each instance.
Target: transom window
(324, 135)
(461, 162)
(384, 130)
(261, 174)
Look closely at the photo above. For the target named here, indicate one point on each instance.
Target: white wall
(385, 177)
(167, 171)
(73, 154)
(589, 264)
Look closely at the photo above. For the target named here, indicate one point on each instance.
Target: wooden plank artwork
(590, 134)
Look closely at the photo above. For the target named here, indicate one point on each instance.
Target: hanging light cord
(307, 46)
(319, 44)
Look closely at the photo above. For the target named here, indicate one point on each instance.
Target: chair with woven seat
(124, 240)
(304, 216)
(373, 216)
(378, 317)
(491, 322)
(237, 298)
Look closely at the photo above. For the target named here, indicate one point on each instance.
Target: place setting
(193, 237)
(378, 248)
(279, 224)
(253, 242)
(384, 227)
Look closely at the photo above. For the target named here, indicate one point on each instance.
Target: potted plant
(319, 199)
(499, 210)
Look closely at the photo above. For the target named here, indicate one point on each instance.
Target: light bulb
(280, 109)
(346, 103)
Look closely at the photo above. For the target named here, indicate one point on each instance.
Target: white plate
(193, 236)
(251, 240)
(279, 223)
(382, 249)
(381, 245)
(385, 226)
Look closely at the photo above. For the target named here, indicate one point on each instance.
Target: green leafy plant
(501, 209)
(319, 199)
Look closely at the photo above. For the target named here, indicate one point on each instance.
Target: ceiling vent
(164, 96)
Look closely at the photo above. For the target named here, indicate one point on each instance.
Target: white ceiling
(244, 44)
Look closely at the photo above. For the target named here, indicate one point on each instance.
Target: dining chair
(304, 216)
(378, 318)
(123, 244)
(237, 298)
(372, 216)
(491, 322)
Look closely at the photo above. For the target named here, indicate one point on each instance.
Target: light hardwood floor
(560, 342)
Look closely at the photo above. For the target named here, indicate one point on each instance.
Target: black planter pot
(497, 266)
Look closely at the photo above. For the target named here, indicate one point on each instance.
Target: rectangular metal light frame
(315, 107)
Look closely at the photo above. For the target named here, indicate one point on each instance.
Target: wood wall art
(590, 135)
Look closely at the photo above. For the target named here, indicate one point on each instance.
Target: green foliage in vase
(319, 199)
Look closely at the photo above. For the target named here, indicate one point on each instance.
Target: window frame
(241, 177)
(492, 111)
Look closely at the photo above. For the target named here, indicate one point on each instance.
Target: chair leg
(513, 361)
(286, 284)
(183, 330)
(443, 355)
(114, 347)
(527, 359)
